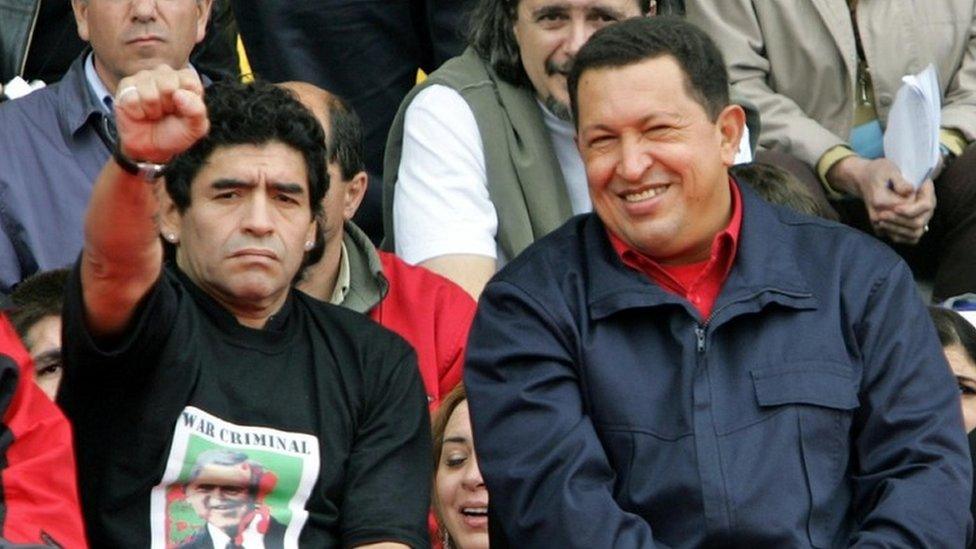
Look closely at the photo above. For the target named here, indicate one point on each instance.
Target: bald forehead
(315, 99)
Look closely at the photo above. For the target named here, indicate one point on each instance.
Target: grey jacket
(51, 152)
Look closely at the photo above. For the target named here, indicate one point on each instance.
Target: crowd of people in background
(452, 274)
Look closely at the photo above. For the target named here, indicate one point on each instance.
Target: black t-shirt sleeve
(388, 479)
(88, 358)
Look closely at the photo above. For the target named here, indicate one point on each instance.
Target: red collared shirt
(699, 282)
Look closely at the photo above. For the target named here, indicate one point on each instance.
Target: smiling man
(504, 170)
(690, 366)
(215, 349)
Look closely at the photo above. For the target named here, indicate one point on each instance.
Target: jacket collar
(765, 270)
(77, 102)
(367, 283)
(75, 99)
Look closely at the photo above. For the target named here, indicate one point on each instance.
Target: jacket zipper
(701, 328)
(30, 38)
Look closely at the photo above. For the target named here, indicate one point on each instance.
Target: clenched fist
(160, 113)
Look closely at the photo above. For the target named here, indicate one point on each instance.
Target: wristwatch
(148, 171)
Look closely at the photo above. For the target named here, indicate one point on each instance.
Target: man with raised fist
(214, 349)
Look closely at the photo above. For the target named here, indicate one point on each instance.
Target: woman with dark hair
(459, 493)
(958, 339)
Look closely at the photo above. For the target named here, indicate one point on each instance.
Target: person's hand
(906, 223)
(895, 208)
(160, 113)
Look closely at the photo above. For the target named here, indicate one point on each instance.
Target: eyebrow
(670, 116)
(555, 8)
(548, 9)
(607, 11)
(47, 355)
(227, 183)
(456, 440)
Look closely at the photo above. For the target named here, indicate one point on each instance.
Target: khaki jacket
(797, 61)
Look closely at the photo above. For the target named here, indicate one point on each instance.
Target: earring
(171, 238)
(308, 245)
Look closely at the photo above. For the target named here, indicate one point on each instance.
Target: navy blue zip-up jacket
(813, 408)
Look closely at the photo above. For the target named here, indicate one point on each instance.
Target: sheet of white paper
(911, 138)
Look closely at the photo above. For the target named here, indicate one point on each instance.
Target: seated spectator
(430, 312)
(459, 496)
(690, 366)
(38, 492)
(217, 350)
(37, 318)
(54, 141)
(824, 75)
(481, 159)
(40, 41)
(958, 339)
(777, 186)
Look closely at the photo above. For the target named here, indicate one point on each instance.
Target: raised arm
(159, 114)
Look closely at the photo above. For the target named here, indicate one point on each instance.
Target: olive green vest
(525, 182)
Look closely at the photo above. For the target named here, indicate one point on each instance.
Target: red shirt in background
(38, 489)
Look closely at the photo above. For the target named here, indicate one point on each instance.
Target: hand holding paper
(911, 138)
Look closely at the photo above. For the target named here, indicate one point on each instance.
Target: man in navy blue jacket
(690, 366)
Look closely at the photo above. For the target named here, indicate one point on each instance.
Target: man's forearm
(122, 255)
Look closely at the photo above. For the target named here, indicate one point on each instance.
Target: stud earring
(171, 237)
(308, 245)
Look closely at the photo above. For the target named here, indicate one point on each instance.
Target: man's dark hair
(345, 144)
(252, 114)
(37, 297)
(641, 38)
(491, 35)
(778, 186)
(953, 329)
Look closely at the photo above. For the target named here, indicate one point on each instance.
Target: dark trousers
(947, 253)
(365, 51)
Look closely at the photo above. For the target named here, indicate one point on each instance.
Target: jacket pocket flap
(829, 385)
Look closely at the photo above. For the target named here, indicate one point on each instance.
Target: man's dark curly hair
(491, 35)
(252, 114)
(641, 38)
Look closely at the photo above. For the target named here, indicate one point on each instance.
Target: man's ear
(355, 191)
(731, 124)
(204, 13)
(80, 7)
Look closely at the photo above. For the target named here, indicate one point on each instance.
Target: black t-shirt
(192, 426)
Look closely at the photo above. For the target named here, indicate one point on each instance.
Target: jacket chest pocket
(823, 397)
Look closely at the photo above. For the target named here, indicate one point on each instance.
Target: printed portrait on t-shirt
(228, 485)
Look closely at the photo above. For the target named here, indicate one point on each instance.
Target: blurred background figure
(40, 41)
(459, 494)
(824, 74)
(777, 186)
(36, 315)
(367, 51)
(958, 338)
